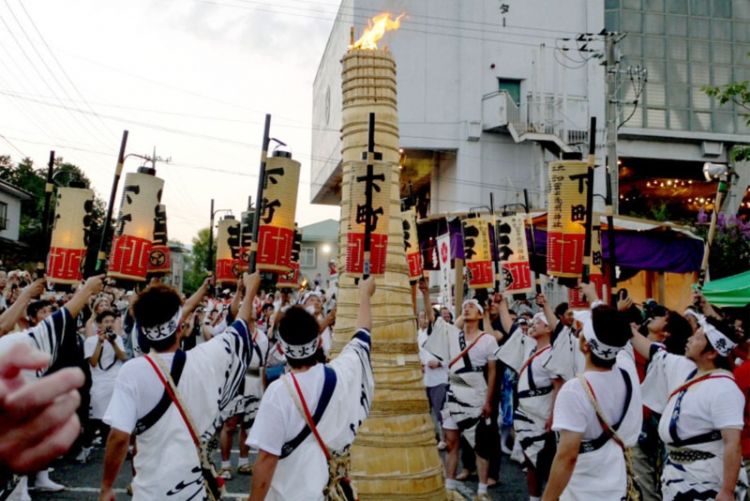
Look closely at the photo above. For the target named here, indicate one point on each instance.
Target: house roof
(15, 191)
(323, 231)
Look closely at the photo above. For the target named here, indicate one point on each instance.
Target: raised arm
(234, 306)
(541, 301)
(12, 315)
(364, 315)
(252, 284)
(425, 290)
(505, 320)
(93, 285)
(193, 301)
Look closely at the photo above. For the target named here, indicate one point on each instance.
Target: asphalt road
(82, 481)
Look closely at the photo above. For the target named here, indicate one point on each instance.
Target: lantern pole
(259, 193)
(589, 202)
(724, 174)
(612, 261)
(210, 263)
(368, 194)
(49, 188)
(495, 250)
(101, 257)
(532, 240)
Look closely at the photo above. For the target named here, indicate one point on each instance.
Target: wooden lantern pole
(370, 156)
(589, 202)
(49, 188)
(495, 245)
(101, 257)
(259, 192)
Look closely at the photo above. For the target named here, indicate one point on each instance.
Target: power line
(23, 155)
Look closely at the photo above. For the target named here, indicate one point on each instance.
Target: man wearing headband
(206, 378)
(701, 411)
(469, 399)
(565, 359)
(536, 392)
(291, 464)
(590, 463)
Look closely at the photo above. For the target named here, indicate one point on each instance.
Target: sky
(192, 78)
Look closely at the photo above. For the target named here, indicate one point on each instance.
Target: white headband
(308, 295)
(163, 331)
(542, 317)
(720, 342)
(692, 313)
(601, 350)
(475, 303)
(299, 351)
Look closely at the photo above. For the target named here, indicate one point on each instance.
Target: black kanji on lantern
(470, 234)
(582, 180)
(271, 175)
(578, 212)
(233, 240)
(269, 209)
(407, 235)
(503, 241)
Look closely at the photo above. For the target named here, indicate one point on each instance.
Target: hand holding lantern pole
(259, 193)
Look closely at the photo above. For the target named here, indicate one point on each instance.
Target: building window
(307, 257)
(512, 87)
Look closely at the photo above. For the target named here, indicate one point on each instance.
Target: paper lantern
(368, 176)
(246, 241)
(291, 280)
(276, 229)
(411, 244)
(227, 250)
(159, 262)
(566, 218)
(596, 274)
(70, 235)
(513, 253)
(134, 231)
(478, 252)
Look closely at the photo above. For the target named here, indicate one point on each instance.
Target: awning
(731, 291)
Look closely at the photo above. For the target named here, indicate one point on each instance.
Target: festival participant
(435, 375)
(313, 304)
(294, 459)
(597, 414)
(701, 411)
(469, 399)
(172, 399)
(566, 359)
(536, 393)
(284, 301)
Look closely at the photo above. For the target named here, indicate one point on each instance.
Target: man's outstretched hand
(38, 418)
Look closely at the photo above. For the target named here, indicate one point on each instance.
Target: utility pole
(611, 65)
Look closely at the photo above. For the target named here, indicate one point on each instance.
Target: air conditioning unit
(712, 149)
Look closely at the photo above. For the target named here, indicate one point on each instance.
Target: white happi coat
(167, 464)
(302, 474)
(534, 390)
(707, 406)
(467, 387)
(601, 474)
(566, 358)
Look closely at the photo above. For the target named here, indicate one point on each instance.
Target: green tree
(196, 261)
(738, 94)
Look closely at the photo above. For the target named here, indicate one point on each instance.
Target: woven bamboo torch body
(395, 454)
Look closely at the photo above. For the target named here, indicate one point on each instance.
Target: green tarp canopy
(733, 292)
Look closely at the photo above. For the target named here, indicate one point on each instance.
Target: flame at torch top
(376, 29)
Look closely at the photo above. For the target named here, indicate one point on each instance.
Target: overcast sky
(191, 77)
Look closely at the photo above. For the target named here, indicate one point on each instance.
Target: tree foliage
(737, 93)
(196, 263)
(730, 249)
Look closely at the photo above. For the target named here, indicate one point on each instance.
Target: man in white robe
(207, 379)
(291, 464)
(590, 463)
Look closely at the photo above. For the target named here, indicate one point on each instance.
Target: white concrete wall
(14, 216)
(444, 51)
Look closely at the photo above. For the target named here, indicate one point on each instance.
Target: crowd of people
(598, 403)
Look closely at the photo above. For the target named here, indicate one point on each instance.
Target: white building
(10, 210)
(490, 91)
(319, 245)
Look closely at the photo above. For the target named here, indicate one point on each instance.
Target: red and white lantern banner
(478, 252)
(566, 218)
(276, 229)
(134, 233)
(510, 233)
(227, 247)
(411, 244)
(70, 232)
(291, 280)
(596, 273)
(159, 262)
(377, 180)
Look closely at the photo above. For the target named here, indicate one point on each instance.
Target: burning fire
(377, 26)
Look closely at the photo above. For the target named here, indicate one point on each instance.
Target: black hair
(33, 308)
(679, 331)
(560, 309)
(727, 329)
(298, 327)
(104, 314)
(611, 327)
(155, 306)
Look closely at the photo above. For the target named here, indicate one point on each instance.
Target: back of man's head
(298, 328)
(156, 306)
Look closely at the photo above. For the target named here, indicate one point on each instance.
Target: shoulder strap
(465, 351)
(150, 419)
(608, 429)
(329, 384)
(695, 380)
(299, 401)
